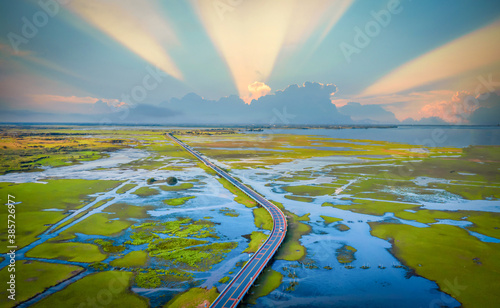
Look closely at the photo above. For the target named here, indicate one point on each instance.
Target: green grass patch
(224, 279)
(77, 252)
(178, 201)
(126, 211)
(181, 227)
(109, 246)
(240, 196)
(268, 281)
(328, 220)
(373, 207)
(178, 187)
(199, 257)
(256, 240)
(194, 297)
(434, 254)
(229, 212)
(146, 192)
(151, 279)
(345, 254)
(34, 277)
(471, 192)
(342, 227)
(125, 188)
(291, 249)
(485, 223)
(430, 216)
(132, 259)
(262, 218)
(117, 283)
(299, 198)
(31, 220)
(96, 224)
(307, 190)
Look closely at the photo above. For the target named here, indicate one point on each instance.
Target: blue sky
(425, 61)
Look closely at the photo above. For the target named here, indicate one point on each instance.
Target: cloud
(140, 28)
(425, 121)
(251, 34)
(472, 51)
(456, 110)
(297, 104)
(256, 89)
(368, 113)
(48, 98)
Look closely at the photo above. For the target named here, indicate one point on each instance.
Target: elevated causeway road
(241, 283)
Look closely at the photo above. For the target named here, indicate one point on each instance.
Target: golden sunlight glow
(137, 26)
(256, 89)
(251, 34)
(470, 52)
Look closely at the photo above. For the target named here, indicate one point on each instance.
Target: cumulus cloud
(368, 114)
(457, 110)
(256, 89)
(297, 104)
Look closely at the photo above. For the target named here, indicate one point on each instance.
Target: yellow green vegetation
(31, 220)
(107, 224)
(374, 207)
(197, 257)
(151, 279)
(31, 149)
(194, 297)
(207, 169)
(29, 274)
(430, 216)
(240, 196)
(345, 254)
(83, 213)
(190, 253)
(341, 227)
(434, 254)
(485, 223)
(181, 227)
(77, 252)
(471, 191)
(98, 224)
(111, 286)
(127, 211)
(299, 198)
(268, 281)
(328, 220)
(229, 212)
(149, 163)
(262, 218)
(256, 240)
(291, 249)
(146, 192)
(132, 259)
(306, 190)
(125, 188)
(108, 246)
(178, 201)
(224, 279)
(179, 187)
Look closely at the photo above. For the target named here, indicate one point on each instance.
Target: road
(234, 292)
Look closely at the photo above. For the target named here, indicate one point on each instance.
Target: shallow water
(429, 136)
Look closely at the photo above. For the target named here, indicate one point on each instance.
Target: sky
(280, 62)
